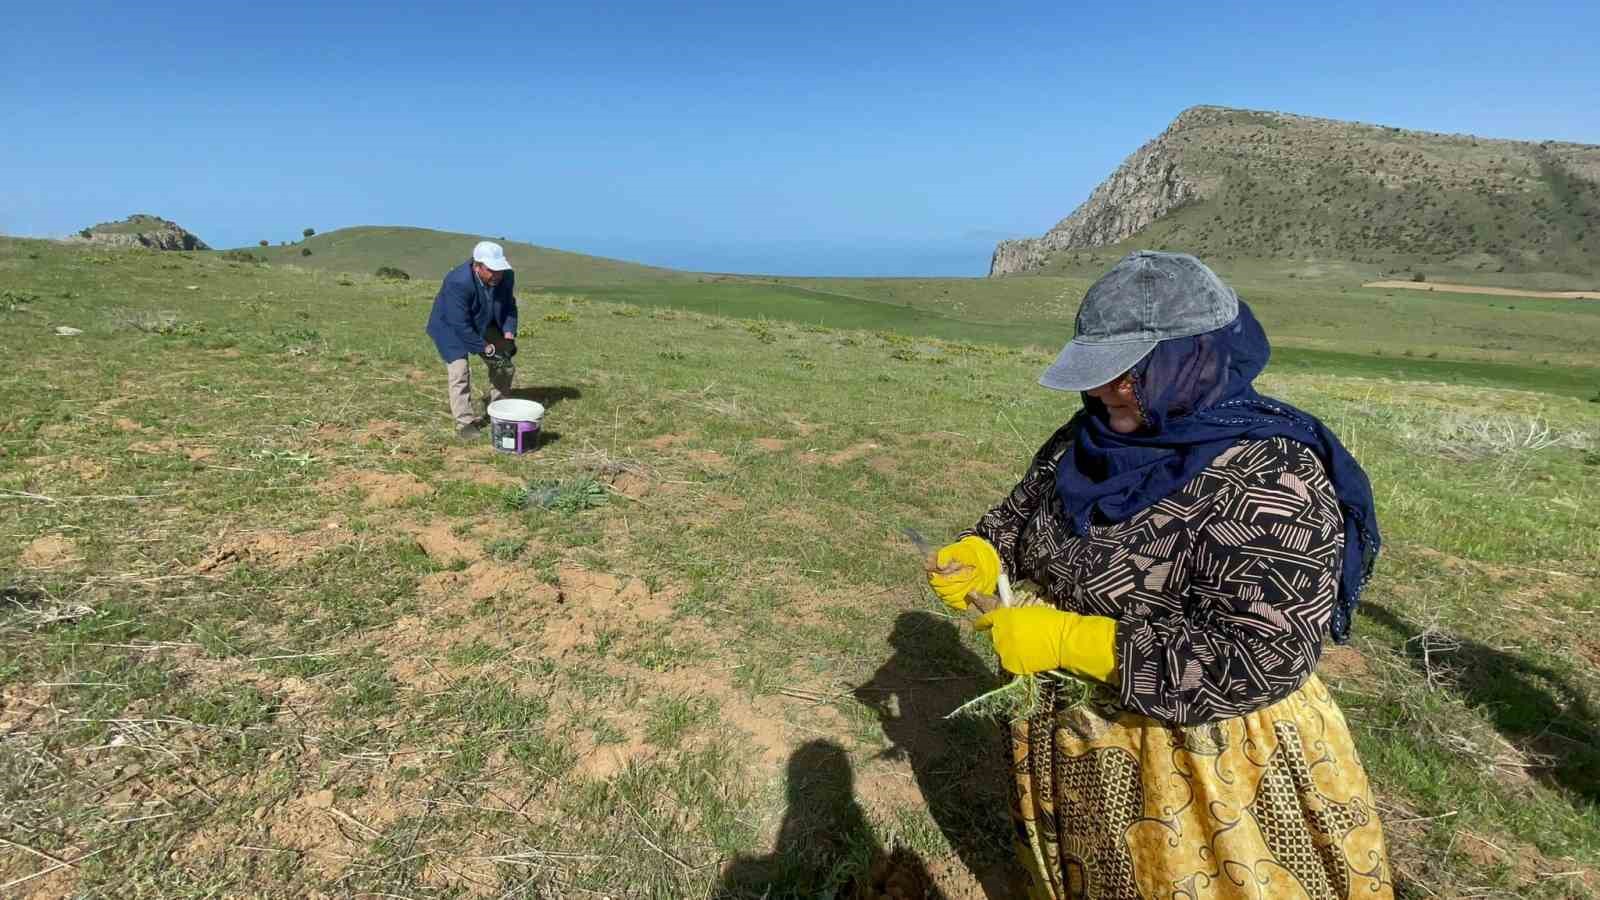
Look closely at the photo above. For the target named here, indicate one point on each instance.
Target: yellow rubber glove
(1033, 639)
(970, 564)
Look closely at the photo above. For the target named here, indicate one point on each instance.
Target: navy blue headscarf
(1197, 397)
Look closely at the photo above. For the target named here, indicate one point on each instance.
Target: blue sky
(803, 138)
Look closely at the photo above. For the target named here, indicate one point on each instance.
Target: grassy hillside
(1316, 313)
(428, 254)
(270, 631)
(1273, 185)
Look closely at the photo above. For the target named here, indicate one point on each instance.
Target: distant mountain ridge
(1220, 182)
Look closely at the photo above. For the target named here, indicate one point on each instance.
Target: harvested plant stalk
(1019, 698)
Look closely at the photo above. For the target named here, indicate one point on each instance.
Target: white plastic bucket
(514, 425)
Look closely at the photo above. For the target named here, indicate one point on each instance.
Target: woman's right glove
(970, 564)
(1031, 639)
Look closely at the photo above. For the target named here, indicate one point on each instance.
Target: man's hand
(510, 336)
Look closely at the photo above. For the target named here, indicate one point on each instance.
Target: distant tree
(308, 232)
(392, 272)
(305, 251)
(1418, 276)
(85, 233)
(264, 243)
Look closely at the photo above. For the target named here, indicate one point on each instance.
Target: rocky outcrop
(141, 230)
(1148, 185)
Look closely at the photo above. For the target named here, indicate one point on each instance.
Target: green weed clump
(392, 273)
(162, 323)
(571, 496)
(16, 301)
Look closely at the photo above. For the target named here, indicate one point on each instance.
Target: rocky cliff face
(141, 230)
(1148, 185)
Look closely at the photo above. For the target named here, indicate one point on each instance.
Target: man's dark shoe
(469, 432)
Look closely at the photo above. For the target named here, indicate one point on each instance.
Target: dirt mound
(270, 549)
(49, 552)
(383, 489)
(440, 541)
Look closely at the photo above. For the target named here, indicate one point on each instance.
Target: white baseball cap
(490, 254)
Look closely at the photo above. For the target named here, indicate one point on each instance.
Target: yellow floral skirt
(1273, 805)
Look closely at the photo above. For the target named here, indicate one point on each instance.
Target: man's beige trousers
(458, 381)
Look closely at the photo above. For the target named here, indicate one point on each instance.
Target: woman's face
(1122, 405)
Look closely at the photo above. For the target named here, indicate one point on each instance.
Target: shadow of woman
(960, 765)
(825, 848)
(1530, 704)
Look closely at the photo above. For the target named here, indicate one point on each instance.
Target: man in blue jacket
(475, 312)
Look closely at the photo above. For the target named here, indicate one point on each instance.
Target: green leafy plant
(392, 273)
(571, 496)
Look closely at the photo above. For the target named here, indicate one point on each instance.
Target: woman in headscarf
(1193, 541)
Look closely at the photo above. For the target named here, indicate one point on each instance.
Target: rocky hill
(141, 230)
(1232, 182)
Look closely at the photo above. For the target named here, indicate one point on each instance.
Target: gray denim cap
(1146, 298)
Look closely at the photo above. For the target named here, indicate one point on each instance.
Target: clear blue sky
(808, 138)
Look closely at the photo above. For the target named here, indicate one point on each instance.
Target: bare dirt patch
(849, 454)
(801, 425)
(270, 549)
(770, 444)
(1481, 289)
(666, 441)
(1343, 662)
(440, 542)
(20, 704)
(123, 423)
(384, 489)
(200, 454)
(79, 468)
(710, 459)
(51, 551)
(165, 445)
(632, 485)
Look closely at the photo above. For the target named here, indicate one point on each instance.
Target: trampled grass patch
(272, 631)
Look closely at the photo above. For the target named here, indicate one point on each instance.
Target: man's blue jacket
(464, 309)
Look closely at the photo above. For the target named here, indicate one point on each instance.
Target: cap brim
(500, 265)
(1081, 366)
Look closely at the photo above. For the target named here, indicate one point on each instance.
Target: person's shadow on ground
(545, 395)
(825, 847)
(962, 765)
(1532, 705)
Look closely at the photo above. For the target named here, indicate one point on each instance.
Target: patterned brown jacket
(1222, 591)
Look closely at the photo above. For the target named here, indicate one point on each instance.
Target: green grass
(426, 254)
(204, 581)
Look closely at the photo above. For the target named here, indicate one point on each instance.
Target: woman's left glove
(970, 564)
(1033, 639)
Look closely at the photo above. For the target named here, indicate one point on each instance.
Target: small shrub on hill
(308, 232)
(264, 243)
(244, 256)
(392, 273)
(305, 251)
(1418, 276)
